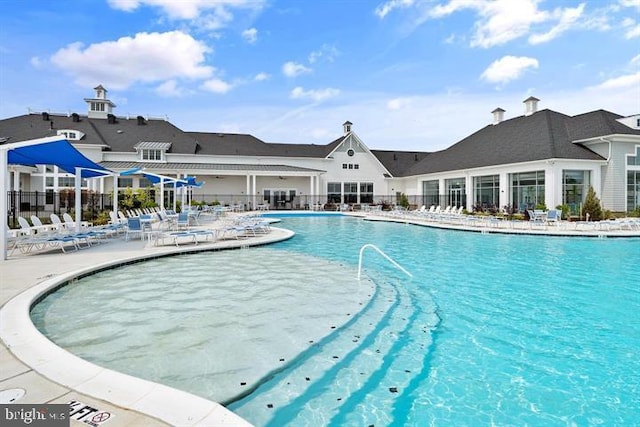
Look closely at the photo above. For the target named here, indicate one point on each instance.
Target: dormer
(149, 151)
(70, 134)
(99, 106)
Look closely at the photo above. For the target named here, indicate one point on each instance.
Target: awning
(60, 153)
(189, 181)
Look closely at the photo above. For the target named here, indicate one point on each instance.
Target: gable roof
(398, 162)
(542, 135)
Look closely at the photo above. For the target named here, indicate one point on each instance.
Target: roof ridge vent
(530, 105)
(498, 115)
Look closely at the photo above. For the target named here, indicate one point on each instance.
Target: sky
(413, 75)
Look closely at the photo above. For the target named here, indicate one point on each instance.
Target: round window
(350, 152)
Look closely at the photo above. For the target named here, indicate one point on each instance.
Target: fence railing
(43, 204)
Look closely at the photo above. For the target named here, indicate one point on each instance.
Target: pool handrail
(370, 245)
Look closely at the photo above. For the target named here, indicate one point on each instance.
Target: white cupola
(498, 115)
(99, 106)
(530, 105)
(346, 127)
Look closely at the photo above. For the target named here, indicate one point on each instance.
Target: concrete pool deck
(49, 374)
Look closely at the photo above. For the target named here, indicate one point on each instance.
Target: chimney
(111, 119)
(75, 117)
(530, 105)
(346, 126)
(45, 116)
(498, 115)
(141, 121)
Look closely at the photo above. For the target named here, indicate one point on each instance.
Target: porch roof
(216, 167)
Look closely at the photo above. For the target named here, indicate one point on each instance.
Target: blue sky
(409, 74)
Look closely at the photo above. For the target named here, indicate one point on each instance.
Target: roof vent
(75, 117)
(498, 115)
(530, 105)
(141, 121)
(45, 116)
(111, 119)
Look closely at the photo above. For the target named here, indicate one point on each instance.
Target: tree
(592, 206)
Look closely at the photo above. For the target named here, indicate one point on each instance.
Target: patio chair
(134, 226)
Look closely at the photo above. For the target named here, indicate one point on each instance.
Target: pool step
(340, 385)
(284, 392)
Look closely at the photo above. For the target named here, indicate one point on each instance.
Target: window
(527, 190)
(144, 183)
(366, 192)
(125, 182)
(487, 191)
(350, 165)
(356, 166)
(149, 154)
(48, 181)
(633, 190)
(97, 106)
(344, 166)
(350, 192)
(70, 181)
(334, 192)
(575, 185)
(634, 160)
(456, 191)
(350, 152)
(430, 193)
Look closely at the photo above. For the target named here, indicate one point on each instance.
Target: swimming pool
(492, 329)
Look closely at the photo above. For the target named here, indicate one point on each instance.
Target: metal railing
(372, 246)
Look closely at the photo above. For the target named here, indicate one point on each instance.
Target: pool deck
(49, 374)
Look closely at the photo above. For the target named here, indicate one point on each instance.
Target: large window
(334, 192)
(487, 191)
(430, 193)
(366, 192)
(575, 185)
(350, 192)
(456, 192)
(125, 182)
(633, 190)
(527, 190)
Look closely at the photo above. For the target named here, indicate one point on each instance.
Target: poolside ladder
(369, 245)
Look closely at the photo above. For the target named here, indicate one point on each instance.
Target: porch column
(16, 180)
(161, 193)
(442, 188)
(312, 193)
(254, 191)
(552, 182)
(468, 184)
(247, 189)
(115, 192)
(504, 189)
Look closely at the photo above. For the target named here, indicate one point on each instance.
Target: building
(542, 157)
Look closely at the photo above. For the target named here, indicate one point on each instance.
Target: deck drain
(11, 395)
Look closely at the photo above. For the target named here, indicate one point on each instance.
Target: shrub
(565, 211)
(403, 201)
(592, 206)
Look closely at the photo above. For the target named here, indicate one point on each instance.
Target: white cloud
(633, 29)
(630, 3)
(293, 69)
(383, 10)
(398, 103)
(250, 35)
(260, 77)
(508, 68)
(326, 52)
(169, 89)
(217, 86)
(147, 58)
(316, 95)
(36, 62)
(631, 81)
(635, 60)
(567, 19)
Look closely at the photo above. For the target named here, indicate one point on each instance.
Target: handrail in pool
(370, 245)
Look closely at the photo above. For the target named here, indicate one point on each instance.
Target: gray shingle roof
(397, 162)
(222, 167)
(230, 144)
(543, 135)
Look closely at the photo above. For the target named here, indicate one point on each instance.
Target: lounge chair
(134, 226)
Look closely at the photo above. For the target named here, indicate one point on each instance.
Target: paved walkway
(48, 374)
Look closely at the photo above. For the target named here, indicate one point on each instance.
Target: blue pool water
(491, 330)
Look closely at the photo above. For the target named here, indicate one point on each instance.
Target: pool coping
(168, 405)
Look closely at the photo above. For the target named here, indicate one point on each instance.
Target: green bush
(566, 210)
(592, 206)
